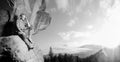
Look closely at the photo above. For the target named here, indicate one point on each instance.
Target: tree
(51, 52)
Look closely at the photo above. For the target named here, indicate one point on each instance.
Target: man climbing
(41, 22)
(27, 26)
(24, 30)
(22, 19)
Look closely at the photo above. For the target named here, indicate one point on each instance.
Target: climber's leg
(31, 46)
(27, 41)
(29, 35)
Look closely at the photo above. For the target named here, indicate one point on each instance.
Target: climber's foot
(30, 47)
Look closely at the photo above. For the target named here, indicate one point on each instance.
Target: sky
(80, 22)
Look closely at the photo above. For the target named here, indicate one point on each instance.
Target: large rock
(13, 49)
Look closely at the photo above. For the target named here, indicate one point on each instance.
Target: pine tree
(51, 52)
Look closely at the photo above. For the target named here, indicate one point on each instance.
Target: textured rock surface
(3, 19)
(13, 49)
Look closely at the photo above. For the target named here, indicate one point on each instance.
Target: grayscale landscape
(59, 30)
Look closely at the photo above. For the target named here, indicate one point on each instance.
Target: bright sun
(109, 34)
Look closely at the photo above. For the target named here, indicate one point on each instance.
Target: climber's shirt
(23, 25)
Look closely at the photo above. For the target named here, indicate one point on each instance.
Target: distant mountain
(102, 54)
(93, 49)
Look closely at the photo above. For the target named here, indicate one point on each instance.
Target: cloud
(62, 4)
(72, 35)
(74, 7)
(106, 3)
(72, 22)
(90, 26)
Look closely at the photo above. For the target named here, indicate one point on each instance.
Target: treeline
(51, 57)
(64, 58)
(68, 58)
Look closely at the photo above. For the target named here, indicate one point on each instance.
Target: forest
(52, 57)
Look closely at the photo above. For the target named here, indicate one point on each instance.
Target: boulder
(13, 49)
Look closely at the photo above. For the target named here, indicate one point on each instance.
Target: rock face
(13, 49)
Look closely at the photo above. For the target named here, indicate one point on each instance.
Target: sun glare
(109, 34)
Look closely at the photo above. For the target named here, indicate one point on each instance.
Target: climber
(24, 30)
